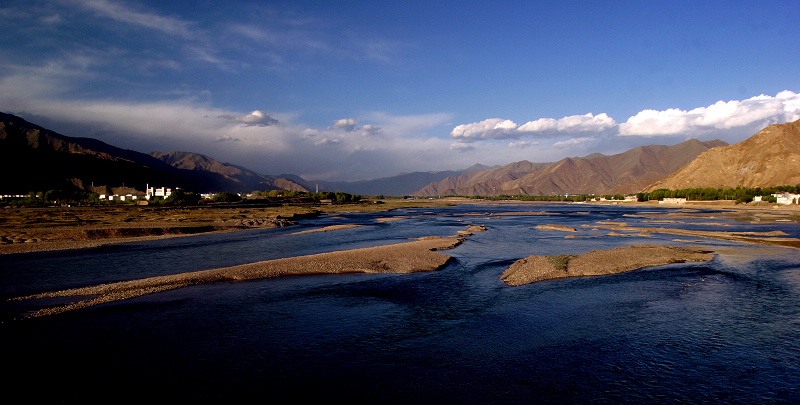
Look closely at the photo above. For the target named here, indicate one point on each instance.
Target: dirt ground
(25, 230)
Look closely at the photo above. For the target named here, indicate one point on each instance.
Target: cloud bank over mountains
(715, 119)
(379, 144)
(784, 107)
(497, 128)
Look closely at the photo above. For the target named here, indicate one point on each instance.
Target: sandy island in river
(763, 238)
(410, 257)
(599, 262)
(327, 229)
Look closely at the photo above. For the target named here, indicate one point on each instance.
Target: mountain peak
(769, 158)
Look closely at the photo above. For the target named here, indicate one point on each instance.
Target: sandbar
(327, 229)
(555, 227)
(522, 213)
(599, 262)
(764, 238)
(471, 229)
(417, 256)
(389, 219)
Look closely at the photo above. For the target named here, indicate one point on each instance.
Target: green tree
(180, 197)
(227, 196)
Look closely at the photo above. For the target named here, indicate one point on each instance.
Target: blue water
(726, 331)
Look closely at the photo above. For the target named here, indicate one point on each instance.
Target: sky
(353, 90)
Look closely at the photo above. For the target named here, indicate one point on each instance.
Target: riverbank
(25, 230)
(59, 228)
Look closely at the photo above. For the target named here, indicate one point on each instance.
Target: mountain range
(624, 173)
(40, 159)
(35, 158)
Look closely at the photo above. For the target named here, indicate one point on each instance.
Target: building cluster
(115, 197)
(162, 192)
(150, 192)
(672, 201)
(782, 198)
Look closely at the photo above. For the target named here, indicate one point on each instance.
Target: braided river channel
(723, 331)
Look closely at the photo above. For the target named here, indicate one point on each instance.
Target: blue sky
(352, 90)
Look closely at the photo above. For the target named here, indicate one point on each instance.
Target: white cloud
(227, 138)
(498, 128)
(573, 142)
(327, 141)
(255, 118)
(371, 130)
(492, 128)
(570, 124)
(757, 111)
(119, 12)
(268, 143)
(461, 147)
(347, 124)
(725, 120)
(521, 144)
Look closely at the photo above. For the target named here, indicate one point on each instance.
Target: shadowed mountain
(627, 172)
(767, 159)
(401, 184)
(37, 159)
(236, 178)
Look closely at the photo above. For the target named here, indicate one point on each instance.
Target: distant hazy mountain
(237, 178)
(401, 184)
(769, 158)
(627, 172)
(37, 159)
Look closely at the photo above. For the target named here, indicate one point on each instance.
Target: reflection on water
(721, 331)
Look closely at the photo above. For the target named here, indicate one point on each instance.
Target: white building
(787, 198)
(162, 192)
(673, 201)
(114, 197)
(784, 199)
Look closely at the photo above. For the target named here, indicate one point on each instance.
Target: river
(725, 331)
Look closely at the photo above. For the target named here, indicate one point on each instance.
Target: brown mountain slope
(484, 182)
(237, 178)
(769, 158)
(627, 172)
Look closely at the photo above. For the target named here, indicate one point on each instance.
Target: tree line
(740, 194)
(183, 198)
(337, 196)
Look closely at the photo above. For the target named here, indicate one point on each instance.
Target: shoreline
(29, 230)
